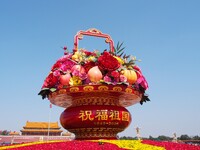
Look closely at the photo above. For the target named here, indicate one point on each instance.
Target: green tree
(196, 137)
(4, 132)
(127, 138)
(184, 137)
(164, 138)
(151, 138)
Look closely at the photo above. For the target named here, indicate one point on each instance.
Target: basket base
(95, 122)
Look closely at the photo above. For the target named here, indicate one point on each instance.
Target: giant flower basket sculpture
(95, 87)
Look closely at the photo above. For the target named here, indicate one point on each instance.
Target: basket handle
(93, 32)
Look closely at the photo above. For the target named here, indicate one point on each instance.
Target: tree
(196, 137)
(151, 138)
(127, 138)
(164, 138)
(184, 137)
(4, 132)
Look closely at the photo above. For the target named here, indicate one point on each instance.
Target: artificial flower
(50, 81)
(92, 58)
(89, 65)
(142, 81)
(120, 60)
(67, 65)
(75, 81)
(137, 68)
(87, 53)
(107, 79)
(115, 74)
(56, 66)
(123, 78)
(107, 62)
(104, 144)
(78, 56)
(56, 73)
(78, 64)
(65, 47)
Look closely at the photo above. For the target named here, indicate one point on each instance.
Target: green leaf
(121, 54)
(115, 49)
(44, 89)
(144, 98)
(119, 49)
(53, 89)
(118, 45)
(44, 93)
(121, 45)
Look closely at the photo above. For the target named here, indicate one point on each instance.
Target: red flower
(87, 66)
(87, 53)
(50, 81)
(65, 47)
(56, 66)
(115, 74)
(108, 62)
(137, 69)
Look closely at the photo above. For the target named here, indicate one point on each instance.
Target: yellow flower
(133, 144)
(77, 56)
(29, 144)
(121, 61)
(91, 58)
(75, 81)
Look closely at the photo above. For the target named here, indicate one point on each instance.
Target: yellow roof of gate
(41, 125)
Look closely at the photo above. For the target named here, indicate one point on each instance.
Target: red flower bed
(70, 145)
(104, 144)
(171, 145)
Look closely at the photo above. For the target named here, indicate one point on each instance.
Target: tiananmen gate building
(41, 128)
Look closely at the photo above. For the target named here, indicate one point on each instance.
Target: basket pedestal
(95, 121)
(95, 112)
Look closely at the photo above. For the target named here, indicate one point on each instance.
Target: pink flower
(83, 76)
(63, 63)
(79, 74)
(137, 68)
(63, 68)
(63, 58)
(67, 65)
(142, 81)
(75, 73)
(87, 81)
(107, 79)
(56, 73)
(123, 78)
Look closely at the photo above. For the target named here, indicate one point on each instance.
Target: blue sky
(164, 34)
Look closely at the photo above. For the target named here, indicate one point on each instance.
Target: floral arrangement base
(95, 122)
(95, 111)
